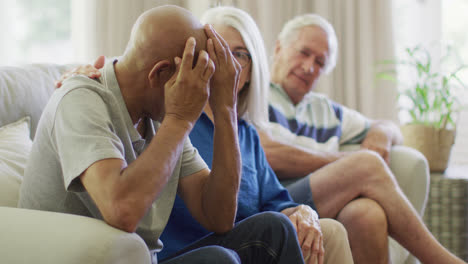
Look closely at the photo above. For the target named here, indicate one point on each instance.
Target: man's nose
(308, 65)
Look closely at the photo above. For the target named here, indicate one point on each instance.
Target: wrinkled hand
(88, 70)
(187, 91)
(225, 81)
(378, 141)
(309, 233)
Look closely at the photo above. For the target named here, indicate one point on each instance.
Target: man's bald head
(160, 34)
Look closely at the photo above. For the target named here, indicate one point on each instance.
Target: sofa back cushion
(24, 91)
(15, 146)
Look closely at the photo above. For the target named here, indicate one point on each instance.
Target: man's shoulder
(80, 90)
(82, 82)
(79, 98)
(313, 97)
(319, 101)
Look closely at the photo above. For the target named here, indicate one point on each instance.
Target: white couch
(31, 236)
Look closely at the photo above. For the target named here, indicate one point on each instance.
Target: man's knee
(363, 215)
(372, 168)
(369, 160)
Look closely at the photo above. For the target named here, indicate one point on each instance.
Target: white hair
(254, 108)
(292, 27)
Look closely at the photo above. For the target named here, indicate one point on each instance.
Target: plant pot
(435, 144)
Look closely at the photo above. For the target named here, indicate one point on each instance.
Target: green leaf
(386, 76)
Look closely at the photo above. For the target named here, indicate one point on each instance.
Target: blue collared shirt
(259, 189)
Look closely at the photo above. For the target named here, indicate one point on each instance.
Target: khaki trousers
(335, 242)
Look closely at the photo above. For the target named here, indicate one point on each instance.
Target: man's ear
(155, 74)
(277, 47)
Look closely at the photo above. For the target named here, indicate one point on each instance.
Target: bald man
(98, 152)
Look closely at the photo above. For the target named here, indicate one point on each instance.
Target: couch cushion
(24, 91)
(15, 146)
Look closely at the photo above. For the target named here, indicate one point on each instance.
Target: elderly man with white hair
(302, 146)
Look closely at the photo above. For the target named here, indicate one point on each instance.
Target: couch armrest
(31, 236)
(411, 170)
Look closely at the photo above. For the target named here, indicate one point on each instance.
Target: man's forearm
(150, 172)
(223, 184)
(124, 193)
(290, 162)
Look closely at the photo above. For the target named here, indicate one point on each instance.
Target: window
(35, 31)
(454, 26)
(436, 24)
(416, 23)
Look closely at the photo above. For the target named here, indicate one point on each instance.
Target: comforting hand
(88, 70)
(186, 93)
(224, 84)
(309, 233)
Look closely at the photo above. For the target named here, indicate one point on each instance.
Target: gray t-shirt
(86, 121)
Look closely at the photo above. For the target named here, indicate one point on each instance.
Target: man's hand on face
(89, 70)
(187, 92)
(225, 81)
(309, 233)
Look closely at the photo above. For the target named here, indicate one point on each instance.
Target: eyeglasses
(243, 58)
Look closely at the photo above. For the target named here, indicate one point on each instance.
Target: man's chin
(299, 85)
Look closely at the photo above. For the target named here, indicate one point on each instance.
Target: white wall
(11, 30)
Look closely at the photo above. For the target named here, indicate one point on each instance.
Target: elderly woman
(322, 241)
(259, 190)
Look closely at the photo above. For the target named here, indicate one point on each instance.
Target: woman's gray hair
(293, 26)
(253, 99)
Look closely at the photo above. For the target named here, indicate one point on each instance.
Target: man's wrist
(177, 121)
(225, 114)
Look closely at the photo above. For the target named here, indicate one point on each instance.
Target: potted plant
(430, 99)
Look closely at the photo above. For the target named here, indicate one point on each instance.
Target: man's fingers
(171, 81)
(187, 57)
(221, 40)
(202, 63)
(210, 33)
(219, 48)
(210, 69)
(211, 51)
(178, 63)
